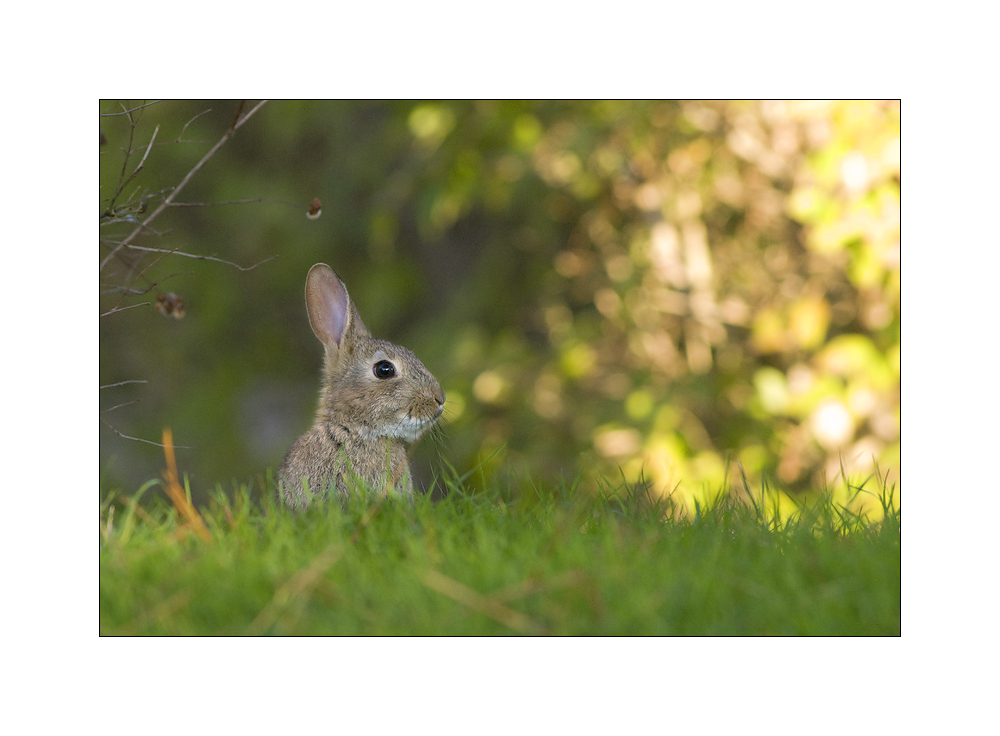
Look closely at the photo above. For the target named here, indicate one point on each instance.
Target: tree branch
(166, 203)
(126, 112)
(122, 383)
(123, 184)
(175, 251)
(116, 308)
(140, 439)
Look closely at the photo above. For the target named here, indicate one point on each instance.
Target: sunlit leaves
(430, 123)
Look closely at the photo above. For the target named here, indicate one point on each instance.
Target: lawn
(525, 560)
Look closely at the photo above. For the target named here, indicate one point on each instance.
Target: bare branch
(115, 221)
(129, 210)
(215, 204)
(188, 123)
(122, 383)
(239, 110)
(238, 201)
(166, 203)
(146, 154)
(175, 251)
(108, 241)
(129, 290)
(135, 172)
(116, 308)
(140, 439)
(122, 289)
(119, 406)
(128, 154)
(126, 112)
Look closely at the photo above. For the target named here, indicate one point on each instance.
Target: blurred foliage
(654, 289)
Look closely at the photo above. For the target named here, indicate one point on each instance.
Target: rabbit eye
(384, 369)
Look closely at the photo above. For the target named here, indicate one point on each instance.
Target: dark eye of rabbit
(384, 369)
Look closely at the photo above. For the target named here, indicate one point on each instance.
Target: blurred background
(654, 292)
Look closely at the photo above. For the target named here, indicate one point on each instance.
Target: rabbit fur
(376, 397)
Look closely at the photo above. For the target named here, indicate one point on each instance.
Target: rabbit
(376, 396)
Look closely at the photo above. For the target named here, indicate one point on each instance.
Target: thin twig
(120, 289)
(177, 252)
(135, 172)
(109, 217)
(237, 201)
(128, 154)
(146, 268)
(119, 406)
(140, 439)
(116, 308)
(122, 383)
(203, 112)
(239, 111)
(126, 112)
(116, 220)
(166, 203)
(216, 204)
(138, 168)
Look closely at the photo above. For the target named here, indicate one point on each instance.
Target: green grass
(534, 561)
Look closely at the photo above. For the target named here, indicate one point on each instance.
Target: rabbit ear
(332, 316)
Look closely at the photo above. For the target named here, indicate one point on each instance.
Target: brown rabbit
(376, 396)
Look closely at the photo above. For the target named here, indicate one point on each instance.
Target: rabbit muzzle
(419, 418)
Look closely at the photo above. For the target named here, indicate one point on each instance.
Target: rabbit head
(376, 396)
